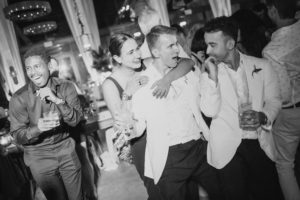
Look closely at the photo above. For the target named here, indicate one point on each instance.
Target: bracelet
(126, 97)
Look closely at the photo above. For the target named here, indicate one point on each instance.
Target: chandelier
(39, 28)
(27, 10)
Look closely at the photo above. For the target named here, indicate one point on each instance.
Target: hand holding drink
(249, 120)
(49, 121)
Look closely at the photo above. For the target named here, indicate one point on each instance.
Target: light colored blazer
(220, 102)
(151, 113)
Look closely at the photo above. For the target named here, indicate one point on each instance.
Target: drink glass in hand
(247, 119)
(51, 116)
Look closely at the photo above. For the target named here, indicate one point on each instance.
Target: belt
(296, 105)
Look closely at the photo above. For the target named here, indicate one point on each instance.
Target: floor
(122, 183)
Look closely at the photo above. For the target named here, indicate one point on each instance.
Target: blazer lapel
(253, 73)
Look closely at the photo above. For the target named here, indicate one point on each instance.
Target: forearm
(70, 115)
(184, 66)
(210, 100)
(69, 106)
(26, 135)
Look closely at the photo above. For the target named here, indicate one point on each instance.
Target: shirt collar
(53, 83)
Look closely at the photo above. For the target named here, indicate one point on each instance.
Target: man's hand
(211, 66)
(161, 88)
(46, 124)
(251, 120)
(47, 94)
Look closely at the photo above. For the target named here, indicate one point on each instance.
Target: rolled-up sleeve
(22, 132)
(71, 110)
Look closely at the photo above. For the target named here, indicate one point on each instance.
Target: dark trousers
(188, 162)
(138, 147)
(57, 171)
(250, 175)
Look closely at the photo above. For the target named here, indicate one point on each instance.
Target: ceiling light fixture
(39, 28)
(27, 10)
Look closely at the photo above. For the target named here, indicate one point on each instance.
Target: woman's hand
(135, 83)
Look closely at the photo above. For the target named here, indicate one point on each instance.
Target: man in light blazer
(175, 152)
(239, 147)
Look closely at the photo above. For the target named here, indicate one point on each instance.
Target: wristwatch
(264, 120)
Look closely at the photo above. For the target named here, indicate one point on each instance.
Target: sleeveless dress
(138, 145)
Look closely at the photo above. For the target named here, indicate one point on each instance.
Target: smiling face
(218, 45)
(37, 70)
(130, 55)
(166, 49)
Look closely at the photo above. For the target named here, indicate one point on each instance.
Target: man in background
(283, 52)
(40, 113)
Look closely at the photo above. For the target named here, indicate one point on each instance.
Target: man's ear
(155, 53)
(230, 44)
(117, 59)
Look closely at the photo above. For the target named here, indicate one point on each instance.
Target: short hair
(116, 43)
(286, 9)
(154, 34)
(198, 42)
(225, 24)
(37, 51)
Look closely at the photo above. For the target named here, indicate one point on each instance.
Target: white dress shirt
(173, 120)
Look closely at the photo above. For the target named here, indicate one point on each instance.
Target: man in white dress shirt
(237, 142)
(283, 51)
(175, 152)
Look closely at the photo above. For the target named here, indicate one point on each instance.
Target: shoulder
(21, 91)
(257, 61)
(20, 97)
(108, 84)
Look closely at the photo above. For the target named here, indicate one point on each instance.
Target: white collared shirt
(180, 120)
(173, 120)
(240, 85)
(284, 53)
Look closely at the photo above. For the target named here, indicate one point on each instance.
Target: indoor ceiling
(106, 14)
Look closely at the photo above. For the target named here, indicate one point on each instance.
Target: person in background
(147, 19)
(241, 95)
(283, 52)
(40, 114)
(182, 39)
(252, 33)
(261, 10)
(198, 49)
